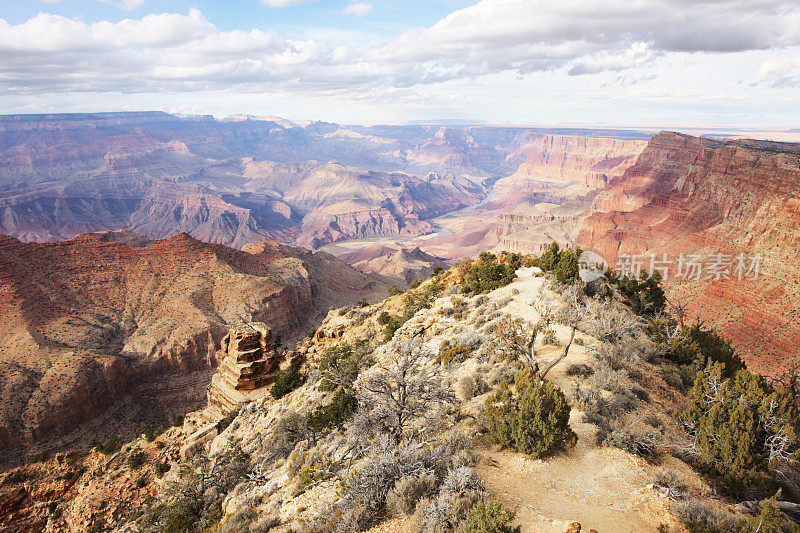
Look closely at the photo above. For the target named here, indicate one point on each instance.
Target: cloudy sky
(637, 62)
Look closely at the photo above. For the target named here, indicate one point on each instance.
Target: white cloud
(779, 72)
(171, 52)
(130, 5)
(127, 5)
(359, 9)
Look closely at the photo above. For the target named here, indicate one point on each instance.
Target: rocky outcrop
(85, 322)
(248, 361)
(691, 195)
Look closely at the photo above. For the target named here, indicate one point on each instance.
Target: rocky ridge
(87, 322)
(599, 487)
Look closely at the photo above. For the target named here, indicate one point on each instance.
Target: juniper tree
(741, 426)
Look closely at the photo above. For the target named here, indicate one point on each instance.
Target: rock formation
(98, 335)
(248, 361)
(697, 196)
(398, 265)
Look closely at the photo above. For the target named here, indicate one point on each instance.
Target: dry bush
(580, 369)
(697, 514)
(672, 483)
(386, 464)
(501, 373)
(458, 447)
(400, 391)
(549, 337)
(480, 301)
(238, 522)
(265, 522)
(403, 498)
(643, 443)
(503, 302)
(289, 430)
(466, 388)
(460, 492)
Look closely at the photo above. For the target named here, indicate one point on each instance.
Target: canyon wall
(547, 187)
(238, 181)
(697, 196)
(84, 321)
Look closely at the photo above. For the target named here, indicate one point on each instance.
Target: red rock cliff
(82, 321)
(690, 195)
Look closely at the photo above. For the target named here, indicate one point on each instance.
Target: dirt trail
(602, 488)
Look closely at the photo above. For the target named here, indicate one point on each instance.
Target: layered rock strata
(689, 195)
(248, 363)
(86, 323)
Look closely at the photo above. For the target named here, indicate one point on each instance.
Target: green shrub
(335, 414)
(285, 382)
(227, 420)
(490, 517)
(488, 274)
(111, 445)
(535, 421)
(452, 353)
(151, 433)
(162, 468)
(645, 295)
(550, 258)
(314, 470)
(741, 424)
(566, 270)
(394, 290)
(136, 459)
(414, 284)
(384, 318)
(341, 364)
(715, 348)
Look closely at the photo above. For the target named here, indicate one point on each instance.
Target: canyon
(113, 332)
(241, 180)
(136, 239)
(689, 195)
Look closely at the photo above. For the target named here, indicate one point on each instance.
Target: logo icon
(591, 266)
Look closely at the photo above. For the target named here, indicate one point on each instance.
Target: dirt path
(602, 488)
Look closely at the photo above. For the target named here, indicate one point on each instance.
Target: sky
(726, 63)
